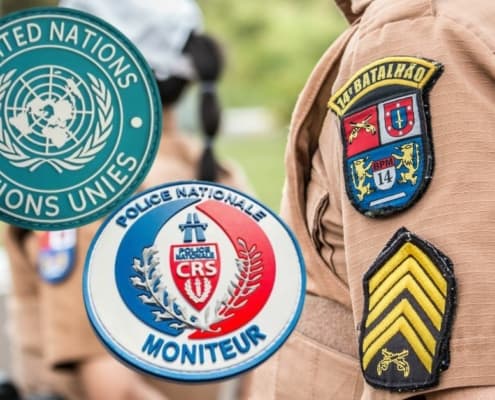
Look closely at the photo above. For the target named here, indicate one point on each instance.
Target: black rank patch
(409, 295)
(386, 134)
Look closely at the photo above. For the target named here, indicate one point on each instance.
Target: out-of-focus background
(271, 48)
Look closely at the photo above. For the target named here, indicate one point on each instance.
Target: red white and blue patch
(386, 134)
(56, 257)
(193, 281)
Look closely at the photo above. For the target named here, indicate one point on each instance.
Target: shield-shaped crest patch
(386, 133)
(195, 269)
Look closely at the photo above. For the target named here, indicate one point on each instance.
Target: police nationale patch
(56, 257)
(385, 126)
(409, 304)
(194, 281)
(79, 118)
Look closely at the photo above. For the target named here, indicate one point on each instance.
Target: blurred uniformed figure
(10, 6)
(54, 347)
(402, 70)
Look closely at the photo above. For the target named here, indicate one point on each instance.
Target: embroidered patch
(385, 128)
(207, 282)
(409, 295)
(57, 253)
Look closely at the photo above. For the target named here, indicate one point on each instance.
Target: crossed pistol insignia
(357, 126)
(394, 358)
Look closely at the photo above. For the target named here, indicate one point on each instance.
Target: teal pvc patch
(80, 118)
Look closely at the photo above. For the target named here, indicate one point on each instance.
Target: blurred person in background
(54, 348)
(10, 6)
(409, 84)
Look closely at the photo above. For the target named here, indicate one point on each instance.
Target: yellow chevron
(401, 325)
(409, 265)
(409, 283)
(403, 308)
(409, 249)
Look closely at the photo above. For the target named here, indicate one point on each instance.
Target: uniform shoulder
(476, 17)
(462, 15)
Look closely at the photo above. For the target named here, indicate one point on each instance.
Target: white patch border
(273, 227)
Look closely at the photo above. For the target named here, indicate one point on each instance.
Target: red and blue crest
(56, 257)
(385, 128)
(195, 268)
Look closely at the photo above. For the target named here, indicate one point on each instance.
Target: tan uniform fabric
(27, 333)
(455, 213)
(50, 326)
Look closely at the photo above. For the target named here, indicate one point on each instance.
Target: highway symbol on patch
(193, 281)
(79, 118)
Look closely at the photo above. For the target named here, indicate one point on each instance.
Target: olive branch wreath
(94, 144)
(249, 273)
(149, 280)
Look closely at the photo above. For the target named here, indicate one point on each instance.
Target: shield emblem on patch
(195, 269)
(385, 130)
(400, 116)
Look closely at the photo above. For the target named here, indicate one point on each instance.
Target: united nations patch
(193, 281)
(409, 297)
(79, 118)
(385, 126)
(56, 257)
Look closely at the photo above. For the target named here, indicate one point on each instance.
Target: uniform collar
(353, 9)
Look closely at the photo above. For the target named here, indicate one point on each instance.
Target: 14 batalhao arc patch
(385, 126)
(409, 296)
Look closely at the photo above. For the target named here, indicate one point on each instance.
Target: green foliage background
(271, 47)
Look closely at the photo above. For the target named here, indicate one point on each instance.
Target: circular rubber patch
(79, 118)
(193, 281)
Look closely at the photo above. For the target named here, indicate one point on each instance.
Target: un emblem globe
(50, 110)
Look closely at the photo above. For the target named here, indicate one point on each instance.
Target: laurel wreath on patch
(150, 281)
(249, 273)
(83, 155)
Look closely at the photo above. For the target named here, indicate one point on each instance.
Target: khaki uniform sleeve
(67, 333)
(453, 213)
(25, 320)
(23, 313)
